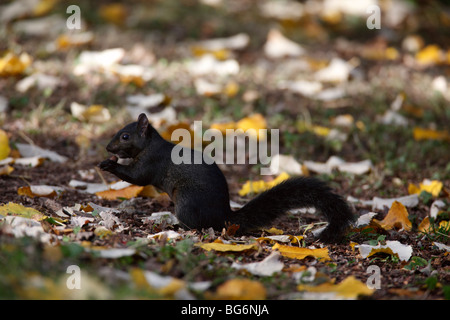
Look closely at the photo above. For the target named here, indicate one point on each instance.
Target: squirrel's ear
(142, 124)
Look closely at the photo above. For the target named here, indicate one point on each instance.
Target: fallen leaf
(225, 247)
(110, 221)
(115, 13)
(160, 217)
(6, 170)
(32, 162)
(431, 186)
(430, 134)
(221, 48)
(267, 267)
(240, 289)
(148, 101)
(261, 185)
(5, 150)
(29, 151)
(442, 246)
(13, 65)
(430, 55)
(436, 208)
(98, 61)
(281, 238)
(349, 288)
(40, 80)
(402, 251)
(302, 253)
(337, 71)
(164, 285)
(397, 217)
(334, 162)
(407, 201)
(20, 226)
(102, 232)
(286, 163)
(66, 41)
(365, 219)
(255, 122)
(169, 234)
(126, 193)
(424, 226)
(44, 6)
(208, 64)
(19, 210)
(94, 113)
(39, 191)
(274, 231)
(304, 87)
(278, 46)
(113, 253)
(132, 73)
(88, 187)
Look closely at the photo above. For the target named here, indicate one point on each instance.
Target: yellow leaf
(231, 89)
(102, 232)
(349, 288)
(94, 113)
(115, 13)
(241, 289)
(255, 122)
(261, 185)
(281, 238)
(397, 217)
(434, 187)
(37, 191)
(223, 247)
(167, 134)
(444, 224)
(138, 81)
(149, 192)
(302, 253)
(138, 278)
(127, 193)
(424, 226)
(65, 41)
(6, 170)
(429, 134)
(274, 231)
(43, 7)
(391, 53)
(219, 54)
(320, 131)
(4, 145)
(222, 127)
(19, 210)
(431, 54)
(12, 65)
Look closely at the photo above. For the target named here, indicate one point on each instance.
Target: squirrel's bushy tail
(302, 192)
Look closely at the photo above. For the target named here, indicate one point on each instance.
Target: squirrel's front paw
(107, 165)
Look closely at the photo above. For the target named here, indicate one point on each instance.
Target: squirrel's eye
(125, 136)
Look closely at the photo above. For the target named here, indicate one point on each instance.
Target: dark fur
(200, 191)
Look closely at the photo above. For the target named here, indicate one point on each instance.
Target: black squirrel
(200, 191)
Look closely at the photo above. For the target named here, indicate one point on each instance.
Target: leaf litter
(244, 79)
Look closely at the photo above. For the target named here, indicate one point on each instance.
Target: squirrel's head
(131, 139)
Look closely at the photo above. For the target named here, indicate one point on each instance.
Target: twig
(101, 176)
